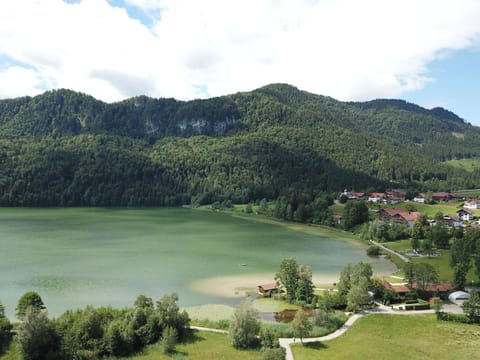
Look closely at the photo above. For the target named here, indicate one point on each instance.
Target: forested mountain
(67, 148)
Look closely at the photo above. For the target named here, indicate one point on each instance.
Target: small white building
(458, 296)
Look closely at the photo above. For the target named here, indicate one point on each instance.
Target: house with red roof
(268, 289)
(399, 215)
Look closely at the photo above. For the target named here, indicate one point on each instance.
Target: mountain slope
(66, 148)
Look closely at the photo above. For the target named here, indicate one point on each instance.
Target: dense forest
(64, 148)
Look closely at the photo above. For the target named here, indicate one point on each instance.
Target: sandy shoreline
(235, 286)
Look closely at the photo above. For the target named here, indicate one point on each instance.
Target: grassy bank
(397, 337)
(204, 345)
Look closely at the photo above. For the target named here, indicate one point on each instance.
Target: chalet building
(441, 289)
(400, 216)
(376, 197)
(268, 289)
(452, 221)
(472, 204)
(400, 289)
(442, 197)
(465, 215)
(358, 195)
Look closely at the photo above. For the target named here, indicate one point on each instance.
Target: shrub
(274, 354)
(373, 250)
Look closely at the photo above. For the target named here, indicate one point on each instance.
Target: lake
(78, 256)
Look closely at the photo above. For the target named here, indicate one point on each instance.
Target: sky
(423, 51)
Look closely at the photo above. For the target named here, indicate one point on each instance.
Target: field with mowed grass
(441, 263)
(204, 345)
(467, 164)
(397, 337)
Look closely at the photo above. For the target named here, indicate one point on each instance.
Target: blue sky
(456, 85)
(426, 52)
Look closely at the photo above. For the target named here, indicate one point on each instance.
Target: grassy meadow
(466, 164)
(397, 337)
(203, 345)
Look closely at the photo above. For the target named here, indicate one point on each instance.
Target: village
(392, 206)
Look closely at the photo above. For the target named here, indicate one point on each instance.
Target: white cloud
(18, 81)
(347, 49)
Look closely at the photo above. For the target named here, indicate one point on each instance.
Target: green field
(203, 345)
(397, 337)
(467, 164)
(441, 263)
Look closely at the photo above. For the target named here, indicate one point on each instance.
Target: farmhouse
(398, 215)
(376, 197)
(400, 289)
(442, 197)
(472, 204)
(441, 289)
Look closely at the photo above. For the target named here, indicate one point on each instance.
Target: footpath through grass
(397, 337)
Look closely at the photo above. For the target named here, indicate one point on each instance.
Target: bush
(459, 318)
(373, 250)
(274, 354)
(244, 326)
(417, 307)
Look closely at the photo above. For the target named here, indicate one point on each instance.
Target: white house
(472, 204)
(465, 215)
(419, 199)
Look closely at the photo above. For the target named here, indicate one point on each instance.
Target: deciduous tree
(244, 326)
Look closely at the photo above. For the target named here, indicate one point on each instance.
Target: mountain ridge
(68, 148)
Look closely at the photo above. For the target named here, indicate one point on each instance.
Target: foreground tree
(460, 260)
(304, 289)
(5, 328)
(36, 336)
(29, 299)
(244, 326)
(471, 307)
(422, 274)
(288, 276)
(358, 295)
(301, 325)
(354, 213)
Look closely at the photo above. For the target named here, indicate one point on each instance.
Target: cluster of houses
(396, 196)
(399, 215)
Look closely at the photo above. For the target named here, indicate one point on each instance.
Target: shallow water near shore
(100, 256)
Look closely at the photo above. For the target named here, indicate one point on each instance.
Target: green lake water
(79, 256)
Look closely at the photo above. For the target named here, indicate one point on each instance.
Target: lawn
(205, 345)
(467, 164)
(397, 337)
(441, 263)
